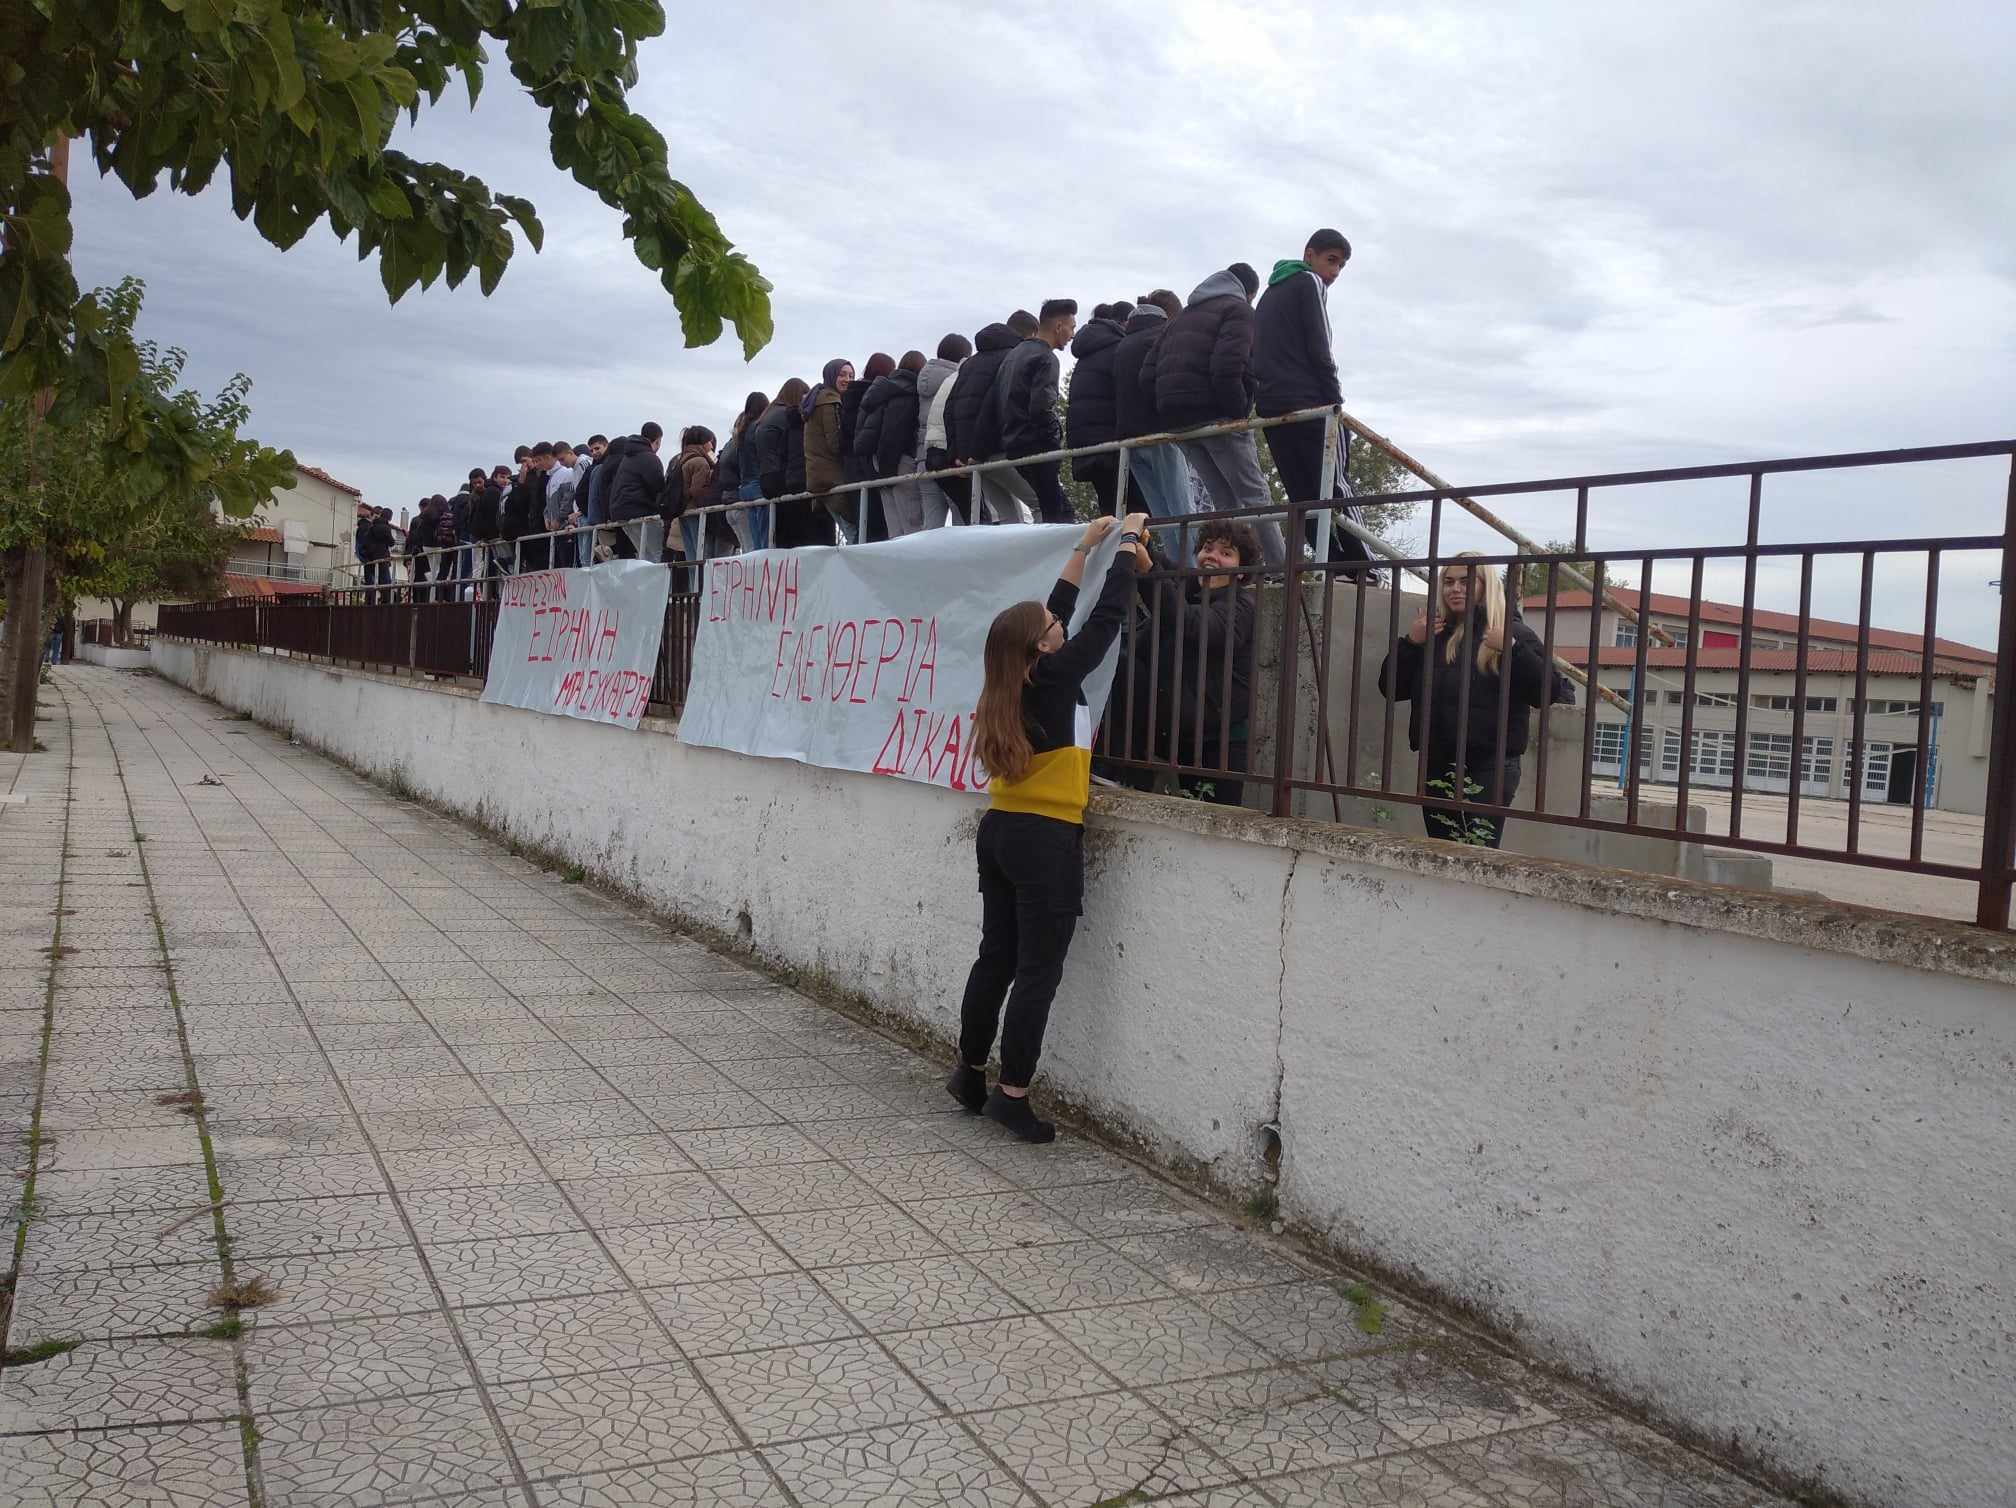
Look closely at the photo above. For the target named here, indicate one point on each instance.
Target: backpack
(672, 496)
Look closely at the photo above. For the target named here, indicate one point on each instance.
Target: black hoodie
(1134, 405)
(1091, 414)
(970, 434)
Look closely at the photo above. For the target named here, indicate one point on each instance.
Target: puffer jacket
(1024, 399)
(970, 431)
(1091, 415)
(764, 451)
(1133, 403)
(635, 488)
(824, 453)
(853, 467)
(1201, 371)
(937, 372)
(886, 431)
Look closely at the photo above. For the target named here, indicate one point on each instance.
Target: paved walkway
(557, 1207)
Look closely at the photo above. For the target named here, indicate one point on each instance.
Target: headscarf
(827, 376)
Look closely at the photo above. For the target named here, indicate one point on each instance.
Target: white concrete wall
(1761, 1187)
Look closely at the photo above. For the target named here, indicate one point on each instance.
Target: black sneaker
(969, 1087)
(1014, 1113)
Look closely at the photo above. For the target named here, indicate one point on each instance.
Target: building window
(1770, 757)
(1608, 750)
(1875, 708)
(1876, 779)
(1627, 635)
(1714, 756)
(1764, 703)
(1816, 762)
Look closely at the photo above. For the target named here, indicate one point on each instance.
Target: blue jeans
(1162, 477)
(751, 525)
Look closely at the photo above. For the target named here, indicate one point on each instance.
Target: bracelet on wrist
(1130, 539)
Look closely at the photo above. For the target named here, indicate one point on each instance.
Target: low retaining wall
(114, 658)
(1742, 1158)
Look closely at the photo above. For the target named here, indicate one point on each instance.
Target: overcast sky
(1582, 242)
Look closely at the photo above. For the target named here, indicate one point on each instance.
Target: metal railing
(1185, 709)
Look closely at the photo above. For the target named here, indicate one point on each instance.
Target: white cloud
(1584, 241)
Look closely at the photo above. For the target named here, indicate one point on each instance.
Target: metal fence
(1195, 705)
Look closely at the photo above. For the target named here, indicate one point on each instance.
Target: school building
(1956, 726)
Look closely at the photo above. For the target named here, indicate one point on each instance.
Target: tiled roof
(322, 476)
(1819, 661)
(264, 536)
(236, 585)
(1777, 623)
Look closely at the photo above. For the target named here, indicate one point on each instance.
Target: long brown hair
(1000, 734)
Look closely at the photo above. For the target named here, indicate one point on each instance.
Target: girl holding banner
(1033, 733)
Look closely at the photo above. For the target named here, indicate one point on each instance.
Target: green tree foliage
(295, 105)
(118, 503)
(1533, 577)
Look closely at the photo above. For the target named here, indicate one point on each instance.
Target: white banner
(579, 643)
(869, 657)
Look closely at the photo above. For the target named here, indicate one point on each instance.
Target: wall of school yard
(1739, 1157)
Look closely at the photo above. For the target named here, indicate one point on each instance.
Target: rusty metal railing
(1193, 706)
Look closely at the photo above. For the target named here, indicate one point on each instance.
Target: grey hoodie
(1217, 286)
(938, 373)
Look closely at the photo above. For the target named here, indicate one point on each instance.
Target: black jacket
(853, 466)
(1201, 628)
(1401, 675)
(1091, 413)
(794, 450)
(374, 539)
(970, 431)
(1201, 370)
(1292, 363)
(1023, 400)
(420, 533)
(637, 483)
(1134, 404)
(728, 468)
(525, 508)
(886, 430)
(764, 451)
(486, 513)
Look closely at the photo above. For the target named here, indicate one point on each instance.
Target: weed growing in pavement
(1369, 1307)
(224, 1329)
(189, 1101)
(1261, 1204)
(243, 1293)
(574, 875)
(42, 1350)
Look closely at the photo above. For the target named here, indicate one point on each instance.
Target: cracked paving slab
(558, 1207)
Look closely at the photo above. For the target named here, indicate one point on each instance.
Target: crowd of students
(1144, 366)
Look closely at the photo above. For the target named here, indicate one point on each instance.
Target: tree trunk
(23, 570)
(122, 623)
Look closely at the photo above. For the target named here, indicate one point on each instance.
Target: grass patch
(41, 747)
(575, 875)
(1262, 1204)
(1126, 1499)
(1369, 1308)
(42, 1350)
(224, 1329)
(243, 1293)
